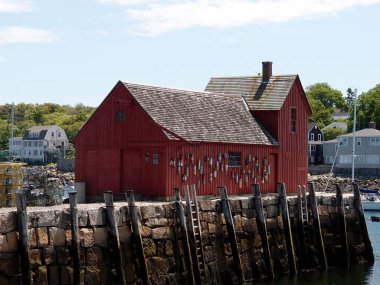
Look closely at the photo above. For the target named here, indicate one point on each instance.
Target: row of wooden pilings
(141, 269)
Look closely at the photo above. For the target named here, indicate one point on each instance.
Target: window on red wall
(293, 120)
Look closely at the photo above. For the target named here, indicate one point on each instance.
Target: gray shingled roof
(42, 130)
(310, 126)
(200, 116)
(260, 95)
(363, 133)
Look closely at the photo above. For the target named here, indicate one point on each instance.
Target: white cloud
(157, 17)
(14, 5)
(10, 35)
(124, 2)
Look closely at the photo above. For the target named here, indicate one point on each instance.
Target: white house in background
(340, 116)
(15, 147)
(41, 144)
(336, 125)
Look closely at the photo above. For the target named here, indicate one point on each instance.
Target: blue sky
(71, 52)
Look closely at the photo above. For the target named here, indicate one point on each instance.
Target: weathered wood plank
(262, 228)
(231, 234)
(284, 208)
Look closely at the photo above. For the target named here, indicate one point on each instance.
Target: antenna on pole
(353, 139)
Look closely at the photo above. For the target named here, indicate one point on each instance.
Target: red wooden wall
(292, 156)
(135, 154)
(105, 147)
(213, 159)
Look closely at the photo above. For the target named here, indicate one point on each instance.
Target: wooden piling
(75, 237)
(26, 273)
(137, 240)
(320, 246)
(185, 239)
(114, 238)
(342, 227)
(368, 250)
(284, 208)
(231, 234)
(262, 228)
(219, 247)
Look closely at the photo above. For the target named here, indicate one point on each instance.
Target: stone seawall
(50, 242)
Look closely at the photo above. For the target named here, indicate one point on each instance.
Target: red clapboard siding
(210, 183)
(136, 154)
(293, 150)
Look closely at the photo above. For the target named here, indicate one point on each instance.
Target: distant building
(315, 144)
(336, 125)
(40, 144)
(367, 149)
(341, 116)
(329, 151)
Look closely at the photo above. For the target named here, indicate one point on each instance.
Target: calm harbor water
(357, 275)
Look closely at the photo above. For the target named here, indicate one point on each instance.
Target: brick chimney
(267, 70)
(372, 125)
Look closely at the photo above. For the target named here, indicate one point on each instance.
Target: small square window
(234, 159)
(155, 158)
(119, 116)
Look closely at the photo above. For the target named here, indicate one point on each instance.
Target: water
(356, 275)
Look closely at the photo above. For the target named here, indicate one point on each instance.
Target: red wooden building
(240, 131)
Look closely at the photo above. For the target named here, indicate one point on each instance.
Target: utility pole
(11, 140)
(353, 139)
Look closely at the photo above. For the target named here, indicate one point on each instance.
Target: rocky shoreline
(323, 182)
(327, 182)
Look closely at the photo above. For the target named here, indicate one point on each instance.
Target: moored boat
(371, 202)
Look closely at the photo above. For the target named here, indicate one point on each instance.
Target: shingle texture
(200, 116)
(260, 95)
(363, 133)
(42, 130)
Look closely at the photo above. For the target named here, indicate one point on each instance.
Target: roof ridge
(203, 93)
(254, 76)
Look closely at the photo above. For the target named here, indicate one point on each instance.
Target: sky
(71, 52)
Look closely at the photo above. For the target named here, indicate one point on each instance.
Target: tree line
(323, 100)
(70, 118)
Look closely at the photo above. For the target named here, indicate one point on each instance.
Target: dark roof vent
(267, 70)
(372, 125)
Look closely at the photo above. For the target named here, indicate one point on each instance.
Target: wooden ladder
(304, 234)
(302, 204)
(195, 233)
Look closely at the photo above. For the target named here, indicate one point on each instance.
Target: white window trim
(312, 137)
(343, 141)
(374, 141)
(372, 159)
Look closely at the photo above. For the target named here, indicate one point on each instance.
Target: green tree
(323, 101)
(332, 133)
(349, 99)
(329, 97)
(27, 115)
(322, 116)
(367, 109)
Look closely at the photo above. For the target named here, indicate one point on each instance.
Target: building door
(132, 171)
(92, 173)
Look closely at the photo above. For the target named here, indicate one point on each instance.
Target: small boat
(375, 219)
(369, 191)
(371, 202)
